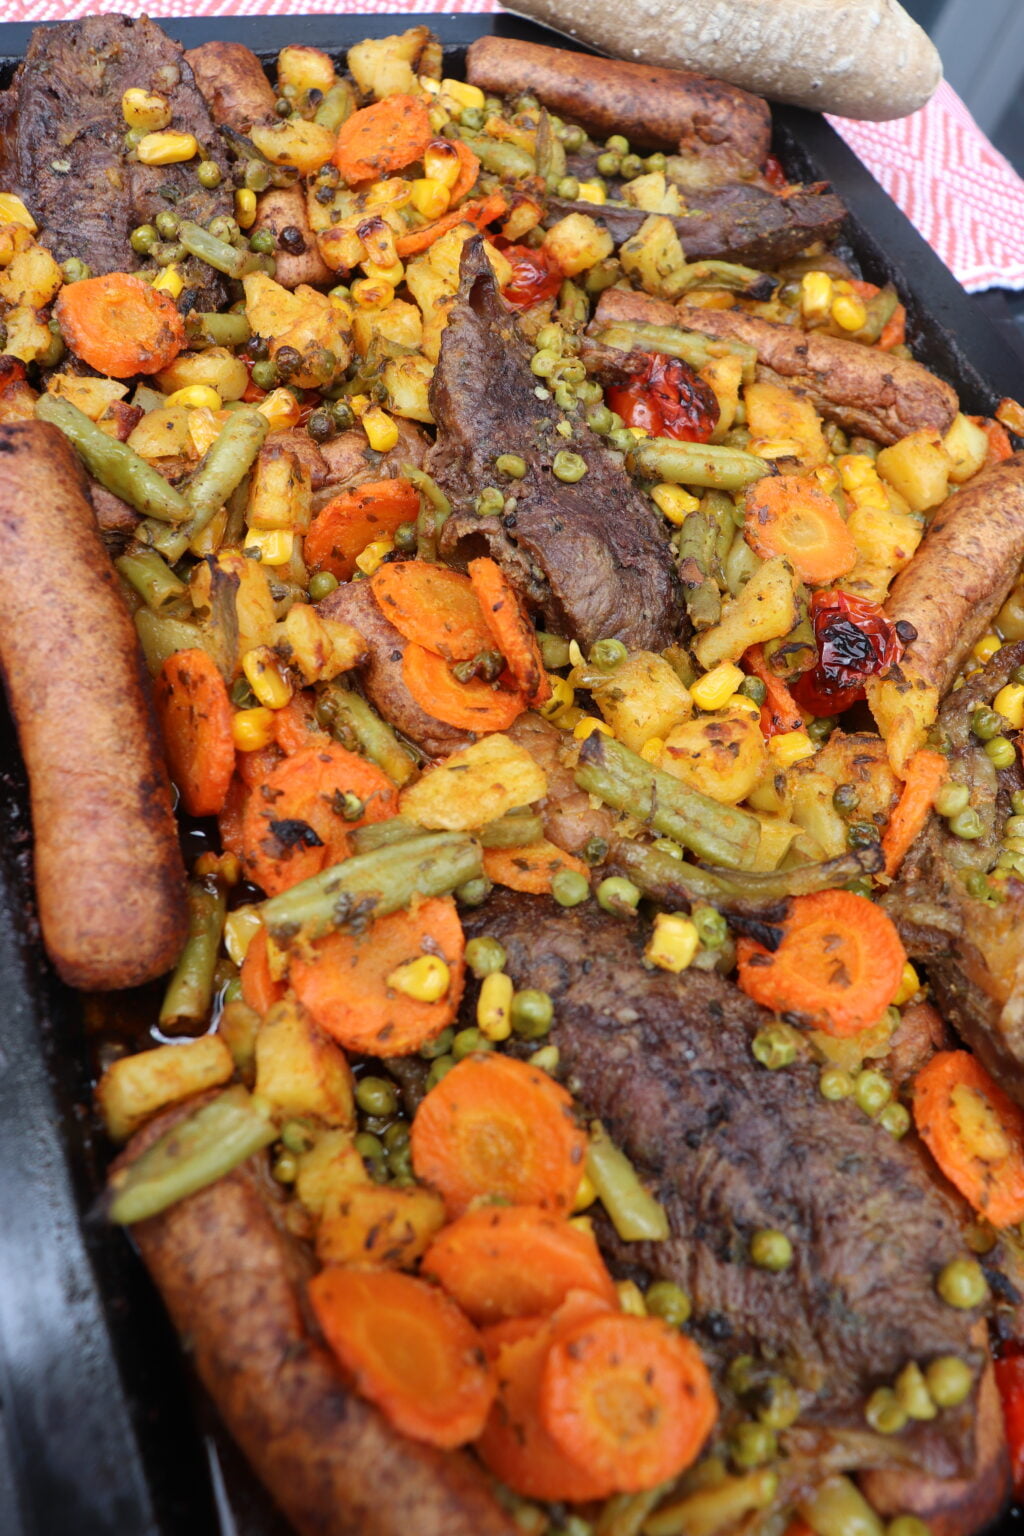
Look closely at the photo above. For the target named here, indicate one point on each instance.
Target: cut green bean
(435, 510)
(337, 106)
(195, 1153)
(351, 712)
(633, 1211)
(189, 996)
(370, 885)
(705, 464)
(161, 636)
(151, 577)
(115, 465)
(224, 465)
(675, 885)
(511, 832)
(216, 253)
(690, 346)
(384, 834)
(204, 328)
(725, 274)
(499, 156)
(695, 545)
(717, 1508)
(720, 834)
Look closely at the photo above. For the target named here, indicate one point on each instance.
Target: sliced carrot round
(345, 525)
(530, 869)
(381, 138)
(628, 1398)
(791, 515)
(295, 725)
(839, 963)
(513, 633)
(344, 986)
(297, 819)
(515, 1261)
(472, 706)
(120, 325)
(409, 1350)
(259, 989)
(975, 1133)
(469, 170)
(195, 718)
(496, 1128)
(434, 606)
(232, 816)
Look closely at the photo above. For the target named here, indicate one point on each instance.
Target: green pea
(609, 164)
(845, 799)
(778, 1403)
(209, 174)
(569, 887)
(406, 538)
(511, 464)
(667, 846)
(285, 1169)
(166, 252)
(264, 242)
(952, 798)
(1017, 802)
(485, 955)
(166, 224)
(741, 1375)
(223, 227)
(599, 419)
(966, 824)
(631, 166)
(752, 1445)
(589, 392)
(543, 364)
(376, 1096)
(565, 396)
(1002, 752)
(490, 502)
(775, 1046)
(668, 1301)
(908, 1525)
(872, 1091)
(474, 892)
(949, 1381)
(862, 834)
(617, 144)
(400, 1163)
(265, 374)
(133, 138)
(986, 723)
(298, 1136)
(884, 1412)
(531, 1013)
(895, 1118)
(962, 1284)
(618, 896)
(976, 884)
(440, 1045)
(753, 688)
(656, 162)
(771, 1250)
(322, 585)
(568, 188)
(320, 426)
(834, 1084)
(396, 1136)
(573, 138)
(914, 1397)
(143, 239)
(608, 654)
(467, 1041)
(256, 176)
(1014, 826)
(568, 467)
(74, 270)
(472, 117)
(595, 850)
(369, 1147)
(344, 415)
(574, 372)
(711, 926)
(621, 439)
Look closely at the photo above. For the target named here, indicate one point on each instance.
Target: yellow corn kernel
(13, 211)
(910, 985)
(827, 477)
(372, 293)
(631, 1298)
(716, 687)
(674, 502)
(494, 1006)
(392, 274)
(197, 397)
(425, 980)
(576, 656)
(170, 281)
(145, 110)
(381, 431)
(741, 701)
(167, 148)
(429, 84)
(245, 207)
(359, 404)
(265, 677)
(562, 697)
(437, 117)
(673, 944)
(849, 312)
(791, 747)
(588, 725)
(281, 409)
(430, 197)
(275, 545)
(652, 749)
(591, 192)
(463, 94)
(815, 295)
(373, 555)
(441, 163)
(1009, 702)
(986, 647)
(586, 1194)
(224, 866)
(253, 729)
(240, 928)
(841, 285)
(775, 447)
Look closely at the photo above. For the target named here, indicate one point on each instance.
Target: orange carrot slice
(345, 525)
(433, 606)
(469, 170)
(259, 989)
(345, 985)
(498, 1128)
(894, 331)
(975, 1133)
(382, 138)
(927, 771)
(791, 515)
(295, 725)
(530, 869)
(120, 325)
(513, 633)
(195, 717)
(780, 711)
(472, 706)
(480, 212)
(409, 1350)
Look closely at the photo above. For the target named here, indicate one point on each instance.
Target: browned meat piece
(112, 514)
(589, 555)
(306, 451)
(920, 1033)
(655, 108)
(233, 1280)
(730, 1147)
(962, 572)
(354, 603)
(570, 821)
(350, 460)
(297, 257)
(232, 80)
(109, 878)
(973, 949)
(739, 222)
(63, 150)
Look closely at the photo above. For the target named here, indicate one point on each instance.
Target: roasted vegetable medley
(588, 653)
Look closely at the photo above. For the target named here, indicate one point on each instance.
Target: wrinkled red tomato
(773, 173)
(668, 400)
(855, 641)
(535, 276)
(1010, 1379)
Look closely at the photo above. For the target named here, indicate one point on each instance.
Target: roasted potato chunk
(299, 1071)
(370, 1224)
(643, 697)
(476, 785)
(723, 755)
(134, 1088)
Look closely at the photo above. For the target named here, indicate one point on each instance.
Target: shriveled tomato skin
(855, 640)
(536, 276)
(667, 400)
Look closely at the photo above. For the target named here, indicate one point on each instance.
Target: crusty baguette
(858, 58)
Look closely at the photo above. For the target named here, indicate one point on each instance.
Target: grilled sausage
(231, 78)
(233, 1281)
(962, 572)
(109, 877)
(297, 256)
(652, 107)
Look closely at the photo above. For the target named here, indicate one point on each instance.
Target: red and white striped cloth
(963, 196)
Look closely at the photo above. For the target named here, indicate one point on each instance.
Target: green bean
(384, 834)
(714, 1509)
(511, 832)
(204, 328)
(151, 577)
(838, 1508)
(189, 994)
(222, 468)
(740, 564)
(705, 464)
(435, 511)
(115, 465)
(216, 253)
(880, 307)
(691, 346)
(634, 1213)
(695, 546)
(193, 1154)
(724, 274)
(721, 834)
(550, 152)
(720, 506)
(573, 308)
(369, 885)
(499, 156)
(375, 736)
(624, 1513)
(337, 106)
(160, 636)
(673, 884)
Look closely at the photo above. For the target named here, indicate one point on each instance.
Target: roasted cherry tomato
(668, 400)
(773, 174)
(1010, 1380)
(855, 641)
(535, 276)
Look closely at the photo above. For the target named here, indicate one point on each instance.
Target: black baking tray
(102, 1431)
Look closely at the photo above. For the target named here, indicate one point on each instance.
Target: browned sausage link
(231, 78)
(652, 107)
(109, 876)
(233, 1282)
(297, 256)
(962, 572)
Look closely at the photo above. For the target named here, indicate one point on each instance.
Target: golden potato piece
(299, 1071)
(643, 697)
(134, 1088)
(474, 786)
(723, 755)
